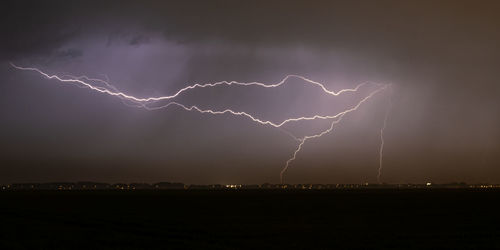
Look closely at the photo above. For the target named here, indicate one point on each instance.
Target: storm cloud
(441, 57)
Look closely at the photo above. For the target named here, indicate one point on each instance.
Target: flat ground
(409, 219)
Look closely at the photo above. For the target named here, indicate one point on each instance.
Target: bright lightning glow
(149, 99)
(86, 82)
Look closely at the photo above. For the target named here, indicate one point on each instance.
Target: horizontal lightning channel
(83, 81)
(149, 99)
(226, 111)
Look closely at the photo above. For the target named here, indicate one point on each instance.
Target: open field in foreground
(409, 219)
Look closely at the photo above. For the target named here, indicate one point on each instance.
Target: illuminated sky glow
(260, 80)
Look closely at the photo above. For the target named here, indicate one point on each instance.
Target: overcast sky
(441, 57)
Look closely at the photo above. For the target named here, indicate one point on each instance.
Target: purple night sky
(442, 59)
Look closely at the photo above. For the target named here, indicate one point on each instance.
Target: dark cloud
(69, 53)
(138, 40)
(401, 28)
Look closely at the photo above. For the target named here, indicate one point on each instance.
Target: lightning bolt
(109, 89)
(382, 142)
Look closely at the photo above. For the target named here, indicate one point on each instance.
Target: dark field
(265, 219)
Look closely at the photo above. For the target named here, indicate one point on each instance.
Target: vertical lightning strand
(382, 142)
